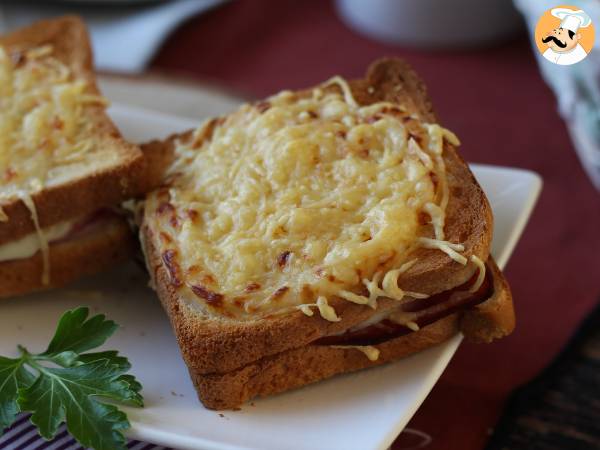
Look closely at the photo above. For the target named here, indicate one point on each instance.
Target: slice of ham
(90, 222)
(427, 310)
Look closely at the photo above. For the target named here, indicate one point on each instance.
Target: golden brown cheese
(298, 199)
(44, 134)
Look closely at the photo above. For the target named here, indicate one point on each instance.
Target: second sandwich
(64, 167)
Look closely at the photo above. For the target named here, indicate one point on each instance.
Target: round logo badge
(564, 35)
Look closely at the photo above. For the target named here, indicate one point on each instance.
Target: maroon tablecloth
(497, 103)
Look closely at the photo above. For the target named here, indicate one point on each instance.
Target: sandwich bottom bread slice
(319, 232)
(327, 357)
(86, 246)
(64, 166)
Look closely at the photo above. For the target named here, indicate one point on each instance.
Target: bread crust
(104, 244)
(494, 318)
(71, 45)
(216, 345)
(301, 366)
(311, 363)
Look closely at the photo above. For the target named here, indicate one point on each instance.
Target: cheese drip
(43, 241)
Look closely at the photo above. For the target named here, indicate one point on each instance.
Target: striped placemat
(22, 435)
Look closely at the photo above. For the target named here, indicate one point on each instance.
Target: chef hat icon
(572, 20)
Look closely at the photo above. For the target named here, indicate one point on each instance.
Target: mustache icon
(555, 40)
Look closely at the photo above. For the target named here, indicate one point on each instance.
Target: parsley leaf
(76, 334)
(63, 384)
(12, 375)
(71, 392)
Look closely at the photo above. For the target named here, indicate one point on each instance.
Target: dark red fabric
(497, 103)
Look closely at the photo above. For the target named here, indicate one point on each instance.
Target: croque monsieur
(63, 164)
(319, 232)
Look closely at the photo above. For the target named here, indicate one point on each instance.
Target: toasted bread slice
(211, 344)
(314, 362)
(222, 351)
(108, 169)
(98, 247)
(298, 367)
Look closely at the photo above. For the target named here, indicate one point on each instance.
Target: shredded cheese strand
(450, 137)
(443, 183)
(379, 106)
(354, 298)
(348, 97)
(438, 219)
(305, 308)
(449, 248)
(412, 325)
(326, 311)
(38, 52)
(417, 295)
(373, 287)
(436, 136)
(371, 352)
(390, 285)
(481, 275)
(407, 265)
(414, 148)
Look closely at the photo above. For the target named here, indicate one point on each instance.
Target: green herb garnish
(64, 384)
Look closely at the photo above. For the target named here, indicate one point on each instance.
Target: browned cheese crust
(212, 346)
(96, 249)
(71, 45)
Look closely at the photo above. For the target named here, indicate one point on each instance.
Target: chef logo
(564, 35)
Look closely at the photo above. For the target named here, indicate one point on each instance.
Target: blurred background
(509, 107)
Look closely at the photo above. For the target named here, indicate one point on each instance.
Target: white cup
(432, 23)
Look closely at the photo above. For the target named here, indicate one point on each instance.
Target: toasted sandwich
(64, 166)
(319, 232)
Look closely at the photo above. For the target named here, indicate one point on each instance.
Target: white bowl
(432, 23)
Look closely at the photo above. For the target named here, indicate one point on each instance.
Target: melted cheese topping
(44, 137)
(29, 245)
(44, 134)
(301, 197)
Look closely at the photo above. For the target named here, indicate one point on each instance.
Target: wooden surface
(560, 409)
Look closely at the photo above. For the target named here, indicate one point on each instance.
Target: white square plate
(364, 410)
